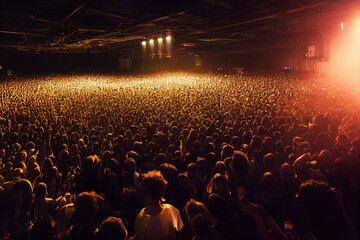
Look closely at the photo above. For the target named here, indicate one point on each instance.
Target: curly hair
(155, 183)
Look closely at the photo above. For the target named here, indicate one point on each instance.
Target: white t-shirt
(159, 226)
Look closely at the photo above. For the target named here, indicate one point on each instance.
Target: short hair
(40, 190)
(111, 228)
(194, 208)
(155, 183)
(130, 165)
(85, 206)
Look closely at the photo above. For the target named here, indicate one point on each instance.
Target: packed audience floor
(179, 156)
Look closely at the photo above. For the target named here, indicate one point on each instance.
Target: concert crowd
(179, 156)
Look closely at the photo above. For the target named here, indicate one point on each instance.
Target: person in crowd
(157, 220)
(44, 229)
(111, 228)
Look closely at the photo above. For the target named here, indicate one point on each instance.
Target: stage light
(160, 47)
(152, 47)
(342, 26)
(143, 43)
(168, 38)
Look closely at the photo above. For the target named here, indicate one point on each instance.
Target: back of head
(85, 207)
(40, 190)
(270, 162)
(268, 181)
(287, 173)
(323, 210)
(153, 184)
(130, 165)
(169, 172)
(25, 197)
(111, 229)
(240, 163)
(194, 208)
(218, 207)
(220, 168)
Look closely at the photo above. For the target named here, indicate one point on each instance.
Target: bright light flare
(160, 40)
(344, 53)
(168, 47)
(357, 27)
(143, 43)
(152, 46)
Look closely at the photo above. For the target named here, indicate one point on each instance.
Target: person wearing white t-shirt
(157, 221)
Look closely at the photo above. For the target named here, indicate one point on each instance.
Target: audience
(179, 156)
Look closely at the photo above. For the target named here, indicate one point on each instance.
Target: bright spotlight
(152, 46)
(143, 43)
(160, 40)
(168, 46)
(342, 26)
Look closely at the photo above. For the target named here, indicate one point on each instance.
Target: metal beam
(22, 33)
(73, 12)
(106, 14)
(271, 16)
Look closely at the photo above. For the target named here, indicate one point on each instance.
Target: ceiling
(72, 26)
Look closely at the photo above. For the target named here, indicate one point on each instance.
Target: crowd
(179, 156)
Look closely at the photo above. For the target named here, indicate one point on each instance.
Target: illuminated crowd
(179, 156)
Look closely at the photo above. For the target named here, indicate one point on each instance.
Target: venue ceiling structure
(120, 26)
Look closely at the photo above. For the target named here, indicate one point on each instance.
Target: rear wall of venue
(28, 63)
(263, 59)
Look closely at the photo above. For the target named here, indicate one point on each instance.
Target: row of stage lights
(160, 40)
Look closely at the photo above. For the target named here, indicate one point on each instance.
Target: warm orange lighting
(168, 38)
(143, 43)
(151, 41)
(357, 27)
(160, 40)
(344, 52)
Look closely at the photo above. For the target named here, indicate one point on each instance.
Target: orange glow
(143, 43)
(160, 40)
(357, 28)
(151, 41)
(344, 52)
(168, 38)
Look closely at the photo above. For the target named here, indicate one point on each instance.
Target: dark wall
(263, 59)
(26, 63)
(276, 58)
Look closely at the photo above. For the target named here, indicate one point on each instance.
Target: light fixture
(143, 43)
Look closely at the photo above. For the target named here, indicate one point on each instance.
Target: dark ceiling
(71, 26)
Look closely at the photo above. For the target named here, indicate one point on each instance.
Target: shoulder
(140, 217)
(170, 207)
